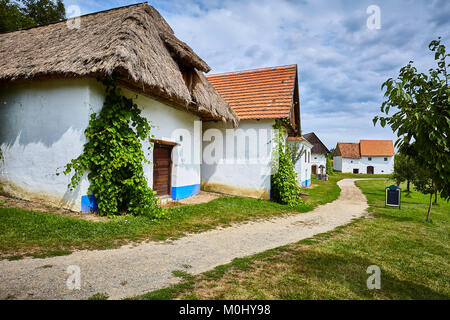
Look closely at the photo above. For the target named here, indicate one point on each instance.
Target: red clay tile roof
(258, 94)
(365, 148)
(348, 150)
(377, 148)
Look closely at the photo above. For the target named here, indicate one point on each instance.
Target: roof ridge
(252, 70)
(81, 16)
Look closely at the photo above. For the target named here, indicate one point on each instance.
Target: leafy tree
(16, 15)
(44, 11)
(12, 18)
(405, 169)
(422, 116)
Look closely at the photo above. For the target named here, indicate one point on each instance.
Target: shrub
(284, 186)
(113, 158)
(329, 167)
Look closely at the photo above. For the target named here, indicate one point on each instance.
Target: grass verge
(414, 258)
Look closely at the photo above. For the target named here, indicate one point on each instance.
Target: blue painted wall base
(306, 183)
(179, 193)
(88, 204)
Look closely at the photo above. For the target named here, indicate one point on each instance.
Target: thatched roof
(135, 41)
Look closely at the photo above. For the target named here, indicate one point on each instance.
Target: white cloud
(341, 63)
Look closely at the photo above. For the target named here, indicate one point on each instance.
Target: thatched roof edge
(133, 40)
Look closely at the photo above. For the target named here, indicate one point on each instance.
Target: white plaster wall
(303, 165)
(168, 125)
(337, 163)
(319, 160)
(41, 129)
(380, 166)
(241, 169)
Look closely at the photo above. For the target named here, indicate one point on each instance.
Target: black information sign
(393, 196)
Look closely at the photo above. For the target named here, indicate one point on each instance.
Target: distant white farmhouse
(319, 153)
(258, 97)
(367, 156)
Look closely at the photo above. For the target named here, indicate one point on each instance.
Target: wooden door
(314, 169)
(162, 169)
(370, 170)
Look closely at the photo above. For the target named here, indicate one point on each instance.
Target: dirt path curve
(129, 271)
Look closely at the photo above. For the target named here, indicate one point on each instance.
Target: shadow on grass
(305, 273)
(347, 274)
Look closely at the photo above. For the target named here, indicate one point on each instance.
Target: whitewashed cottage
(48, 89)
(367, 156)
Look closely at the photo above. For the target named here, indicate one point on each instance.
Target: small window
(385, 159)
(315, 158)
(351, 161)
(370, 158)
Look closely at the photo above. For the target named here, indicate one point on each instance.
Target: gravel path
(133, 270)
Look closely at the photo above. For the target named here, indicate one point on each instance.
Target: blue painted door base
(179, 193)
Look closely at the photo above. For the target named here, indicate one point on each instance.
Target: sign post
(393, 196)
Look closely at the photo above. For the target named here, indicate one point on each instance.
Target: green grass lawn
(414, 257)
(360, 175)
(45, 234)
(324, 191)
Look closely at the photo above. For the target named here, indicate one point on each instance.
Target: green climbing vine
(284, 185)
(113, 158)
(329, 168)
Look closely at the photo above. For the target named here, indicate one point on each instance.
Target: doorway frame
(166, 145)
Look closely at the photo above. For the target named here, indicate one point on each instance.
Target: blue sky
(342, 63)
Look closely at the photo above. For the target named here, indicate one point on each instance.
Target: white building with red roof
(367, 156)
(49, 91)
(259, 98)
